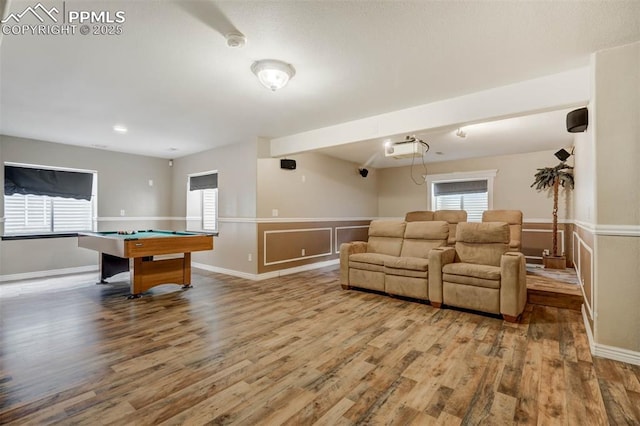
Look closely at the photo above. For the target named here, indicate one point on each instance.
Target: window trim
(201, 207)
(489, 175)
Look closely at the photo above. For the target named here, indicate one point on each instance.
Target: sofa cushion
(418, 216)
(405, 273)
(385, 237)
(372, 258)
(387, 228)
(411, 263)
(471, 274)
(421, 237)
(512, 217)
(452, 217)
(369, 261)
(472, 270)
(482, 243)
(470, 281)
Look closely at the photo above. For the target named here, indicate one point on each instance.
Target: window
(202, 202)
(471, 192)
(39, 199)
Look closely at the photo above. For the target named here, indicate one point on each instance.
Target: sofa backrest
(421, 237)
(418, 216)
(385, 237)
(482, 243)
(452, 217)
(513, 218)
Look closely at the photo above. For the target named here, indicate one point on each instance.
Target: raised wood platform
(554, 289)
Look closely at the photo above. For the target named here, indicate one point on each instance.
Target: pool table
(134, 252)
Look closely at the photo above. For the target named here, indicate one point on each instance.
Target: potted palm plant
(554, 178)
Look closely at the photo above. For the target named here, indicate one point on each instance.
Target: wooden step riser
(555, 300)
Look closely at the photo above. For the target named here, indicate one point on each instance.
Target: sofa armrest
(438, 257)
(346, 250)
(513, 284)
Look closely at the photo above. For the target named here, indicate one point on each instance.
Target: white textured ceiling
(171, 79)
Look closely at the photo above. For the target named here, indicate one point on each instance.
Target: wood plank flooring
(295, 350)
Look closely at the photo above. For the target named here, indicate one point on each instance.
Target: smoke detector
(235, 40)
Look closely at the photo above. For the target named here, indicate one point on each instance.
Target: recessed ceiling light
(118, 128)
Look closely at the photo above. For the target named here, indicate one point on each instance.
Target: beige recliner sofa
(479, 273)
(395, 259)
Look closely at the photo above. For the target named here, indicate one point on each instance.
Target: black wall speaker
(288, 164)
(577, 120)
(562, 155)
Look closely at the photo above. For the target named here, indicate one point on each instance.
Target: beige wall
(123, 179)
(397, 194)
(618, 135)
(320, 187)
(123, 183)
(616, 109)
(236, 167)
(584, 174)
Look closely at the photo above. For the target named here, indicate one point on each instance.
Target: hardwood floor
(295, 350)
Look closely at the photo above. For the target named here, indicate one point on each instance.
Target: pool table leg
(111, 265)
(186, 271)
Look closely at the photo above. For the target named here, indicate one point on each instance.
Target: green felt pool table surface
(145, 234)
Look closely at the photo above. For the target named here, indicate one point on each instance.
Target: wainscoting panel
(346, 234)
(281, 244)
(583, 249)
(537, 237)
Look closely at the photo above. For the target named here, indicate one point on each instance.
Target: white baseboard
(606, 351)
(617, 354)
(49, 273)
(266, 275)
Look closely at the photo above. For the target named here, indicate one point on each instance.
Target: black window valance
(461, 187)
(54, 183)
(209, 181)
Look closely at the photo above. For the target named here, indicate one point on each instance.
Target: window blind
(209, 181)
(459, 187)
(209, 209)
(52, 183)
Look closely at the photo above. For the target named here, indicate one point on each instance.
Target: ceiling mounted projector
(405, 149)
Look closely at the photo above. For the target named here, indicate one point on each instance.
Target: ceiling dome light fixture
(273, 74)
